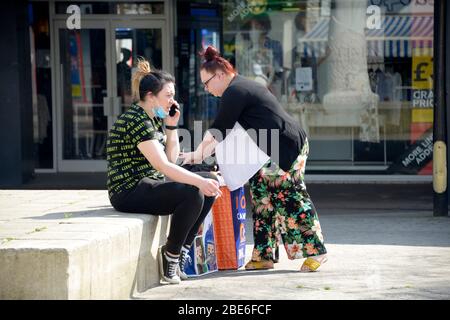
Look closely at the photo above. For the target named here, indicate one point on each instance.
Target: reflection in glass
(131, 44)
(258, 56)
(140, 8)
(100, 7)
(206, 109)
(41, 86)
(362, 90)
(83, 72)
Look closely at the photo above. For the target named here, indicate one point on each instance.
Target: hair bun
(143, 65)
(211, 53)
(213, 60)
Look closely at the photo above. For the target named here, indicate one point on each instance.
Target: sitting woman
(142, 150)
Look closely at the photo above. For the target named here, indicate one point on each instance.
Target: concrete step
(74, 245)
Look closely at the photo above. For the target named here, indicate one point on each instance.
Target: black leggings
(186, 203)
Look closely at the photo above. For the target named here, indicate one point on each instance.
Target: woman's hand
(173, 121)
(210, 187)
(194, 157)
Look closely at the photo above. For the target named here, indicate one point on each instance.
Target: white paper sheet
(239, 157)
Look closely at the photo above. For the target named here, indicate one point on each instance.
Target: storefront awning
(397, 37)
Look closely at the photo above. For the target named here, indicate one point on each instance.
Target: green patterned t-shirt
(126, 164)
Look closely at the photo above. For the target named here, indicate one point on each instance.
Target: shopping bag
(202, 255)
(229, 213)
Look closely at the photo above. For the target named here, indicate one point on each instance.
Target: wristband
(171, 127)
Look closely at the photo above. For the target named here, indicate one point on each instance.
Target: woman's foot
(263, 264)
(184, 256)
(168, 266)
(312, 263)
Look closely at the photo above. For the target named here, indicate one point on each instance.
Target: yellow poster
(422, 85)
(422, 72)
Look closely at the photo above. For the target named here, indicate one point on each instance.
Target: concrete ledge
(74, 245)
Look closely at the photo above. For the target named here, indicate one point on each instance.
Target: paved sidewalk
(373, 254)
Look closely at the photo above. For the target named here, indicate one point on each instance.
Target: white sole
(161, 272)
(183, 276)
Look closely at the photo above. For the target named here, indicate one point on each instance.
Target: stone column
(349, 93)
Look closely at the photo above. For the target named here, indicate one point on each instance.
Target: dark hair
(300, 20)
(126, 54)
(147, 80)
(212, 60)
(263, 20)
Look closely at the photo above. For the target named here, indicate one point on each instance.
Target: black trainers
(168, 266)
(184, 255)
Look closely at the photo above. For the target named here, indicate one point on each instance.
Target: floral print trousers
(283, 210)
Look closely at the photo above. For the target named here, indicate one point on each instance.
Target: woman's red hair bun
(211, 53)
(212, 60)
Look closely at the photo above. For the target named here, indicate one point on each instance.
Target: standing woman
(142, 149)
(281, 204)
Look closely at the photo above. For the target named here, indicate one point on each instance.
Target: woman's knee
(193, 195)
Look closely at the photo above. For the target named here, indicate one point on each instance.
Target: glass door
(83, 87)
(93, 72)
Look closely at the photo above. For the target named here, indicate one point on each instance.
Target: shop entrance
(93, 68)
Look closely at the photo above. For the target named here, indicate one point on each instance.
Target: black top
(126, 164)
(255, 107)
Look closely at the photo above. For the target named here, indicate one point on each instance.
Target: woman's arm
(232, 104)
(172, 145)
(204, 150)
(207, 146)
(154, 153)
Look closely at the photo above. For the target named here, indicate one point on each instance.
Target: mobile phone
(172, 110)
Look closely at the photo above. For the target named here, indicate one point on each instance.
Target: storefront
(357, 74)
(82, 73)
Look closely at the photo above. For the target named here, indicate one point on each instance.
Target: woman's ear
(150, 95)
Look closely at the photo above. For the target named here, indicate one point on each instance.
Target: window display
(357, 74)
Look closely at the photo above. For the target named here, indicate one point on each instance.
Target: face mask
(160, 112)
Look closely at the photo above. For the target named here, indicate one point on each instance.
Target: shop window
(356, 74)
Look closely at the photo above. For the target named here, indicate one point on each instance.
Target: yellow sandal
(312, 264)
(259, 265)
